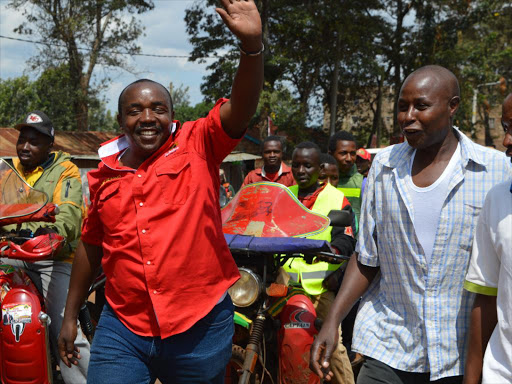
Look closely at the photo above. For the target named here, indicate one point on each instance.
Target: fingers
(63, 352)
(314, 360)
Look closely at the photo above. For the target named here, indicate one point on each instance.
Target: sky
(165, 35)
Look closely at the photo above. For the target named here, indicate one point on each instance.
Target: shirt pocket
(175, 178)
(109, 206)
(469, 220)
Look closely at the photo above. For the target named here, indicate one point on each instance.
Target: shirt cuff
(480, 289)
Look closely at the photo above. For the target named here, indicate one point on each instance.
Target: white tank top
(427, 203)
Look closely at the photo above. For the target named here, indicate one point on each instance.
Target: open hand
(243, 19)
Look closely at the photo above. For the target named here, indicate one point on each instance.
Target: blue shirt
(415, 315)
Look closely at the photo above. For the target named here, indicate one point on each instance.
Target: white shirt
(490, 273)
(427, 203)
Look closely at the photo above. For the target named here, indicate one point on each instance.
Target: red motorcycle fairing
(35, 249)
(23, 331)
(295, 338)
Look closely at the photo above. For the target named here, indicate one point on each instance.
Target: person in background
(490, 278)
(363, 163)
(274, 169)
(321, 198)
(420, 211)
(343, 147)
(328, 170)
(230, 191)
(53, 173)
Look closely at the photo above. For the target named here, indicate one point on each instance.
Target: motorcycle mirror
(340, 218)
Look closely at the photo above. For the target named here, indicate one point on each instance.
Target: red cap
(364, 154)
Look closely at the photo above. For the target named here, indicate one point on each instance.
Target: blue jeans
(198, 355)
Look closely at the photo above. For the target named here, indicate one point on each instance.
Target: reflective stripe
(350, 192)
(315, 275)
(294, 276)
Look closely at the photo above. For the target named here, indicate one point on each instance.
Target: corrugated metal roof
(77, 144)
(240, 156)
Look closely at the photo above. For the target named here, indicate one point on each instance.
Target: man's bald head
(442, 77)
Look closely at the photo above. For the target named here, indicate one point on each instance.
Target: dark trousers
(376, 372)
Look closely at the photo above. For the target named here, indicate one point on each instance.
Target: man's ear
(454, 105)
(119, 121)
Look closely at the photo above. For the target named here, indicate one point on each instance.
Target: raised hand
(243, 19)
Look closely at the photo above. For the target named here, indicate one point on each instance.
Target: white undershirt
(427, 203)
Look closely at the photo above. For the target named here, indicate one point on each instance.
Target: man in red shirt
(273, 167)
(154, 224)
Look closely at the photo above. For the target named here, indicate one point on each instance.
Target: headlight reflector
(246, 290)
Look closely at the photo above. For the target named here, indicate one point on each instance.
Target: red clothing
(309, 201)
(164, 253)
(284, 176)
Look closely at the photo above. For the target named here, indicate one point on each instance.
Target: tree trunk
(377, 117)
(333, 104)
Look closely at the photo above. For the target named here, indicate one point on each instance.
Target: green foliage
(187, 112)
(81, 35)
(376, 43)
(49, 93)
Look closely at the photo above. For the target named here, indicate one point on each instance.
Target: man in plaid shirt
(417, 223)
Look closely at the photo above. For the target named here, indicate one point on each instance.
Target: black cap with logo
(39, 121)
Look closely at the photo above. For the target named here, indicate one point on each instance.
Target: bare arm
(358, 278)
(483, 321)
(85, 268)
(242, 18)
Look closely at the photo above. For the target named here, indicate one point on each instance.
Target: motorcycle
(275, 322)
(24, 343)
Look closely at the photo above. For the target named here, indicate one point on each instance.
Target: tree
(82, 34)
(50, 93)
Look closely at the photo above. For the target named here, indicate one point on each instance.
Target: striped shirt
(415, 315)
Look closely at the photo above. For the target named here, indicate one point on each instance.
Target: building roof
(78, 144)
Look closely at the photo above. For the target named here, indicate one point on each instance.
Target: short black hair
(274, 138)
(309, 145)
(142, 81)
(325, 158)
(340, 136)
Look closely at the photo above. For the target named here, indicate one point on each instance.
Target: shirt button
(148, 263)
(141, 204)
(143, 231)
(139, 175)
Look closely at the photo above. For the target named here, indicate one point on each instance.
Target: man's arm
(358, 278)
(484, 318)
(85, 268)
(243, 19)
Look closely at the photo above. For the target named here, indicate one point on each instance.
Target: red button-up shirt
(164, 254)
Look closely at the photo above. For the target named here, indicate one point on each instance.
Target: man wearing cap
(363, 164)
(54, 174)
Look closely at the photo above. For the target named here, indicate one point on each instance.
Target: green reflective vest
(312, 275)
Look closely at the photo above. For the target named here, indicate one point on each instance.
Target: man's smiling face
(146, 117)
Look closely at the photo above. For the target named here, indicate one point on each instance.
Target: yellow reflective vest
(312, 275)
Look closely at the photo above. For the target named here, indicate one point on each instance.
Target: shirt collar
(264, 174)
(401, 153)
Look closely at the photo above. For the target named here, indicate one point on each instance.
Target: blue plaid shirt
(415, 316)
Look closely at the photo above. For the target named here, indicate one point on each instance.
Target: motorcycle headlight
(246, 290)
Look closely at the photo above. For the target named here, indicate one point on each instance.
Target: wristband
(257, 53)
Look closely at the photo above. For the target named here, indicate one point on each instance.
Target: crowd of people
(431, 267)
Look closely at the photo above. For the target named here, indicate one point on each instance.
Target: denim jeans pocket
(220, 315)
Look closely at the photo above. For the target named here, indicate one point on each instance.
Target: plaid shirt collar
(400, 156)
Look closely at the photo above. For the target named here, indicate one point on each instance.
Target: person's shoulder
(392, 155)
(500, 190)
